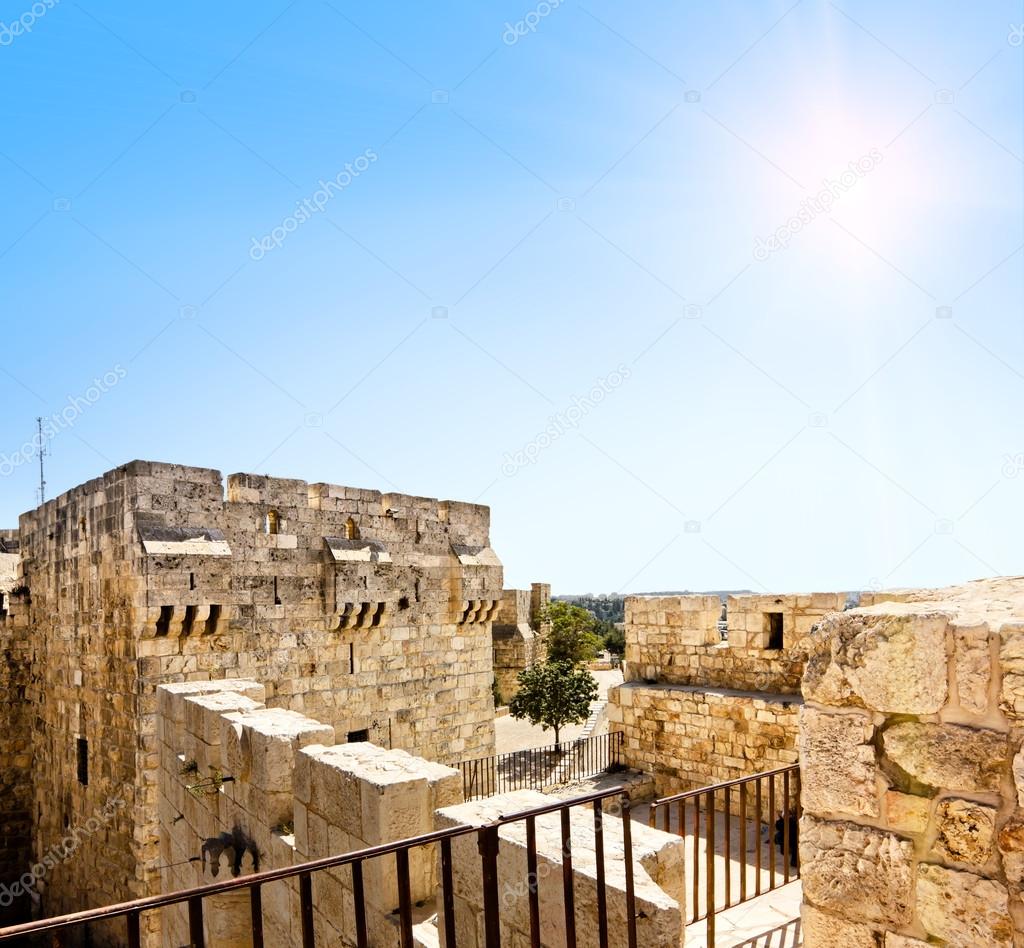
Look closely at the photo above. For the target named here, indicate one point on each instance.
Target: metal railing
(541, 767)
(762, 810)
(487, 841)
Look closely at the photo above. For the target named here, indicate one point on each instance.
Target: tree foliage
(614, 638)
(554, 694)
(572, 636)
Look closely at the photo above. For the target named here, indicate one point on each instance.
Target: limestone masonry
(369, 612)
(913, 773)
(698, 707)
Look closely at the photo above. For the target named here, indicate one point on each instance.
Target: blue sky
(545, 282)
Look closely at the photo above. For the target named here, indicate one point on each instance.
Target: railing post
(488, 843)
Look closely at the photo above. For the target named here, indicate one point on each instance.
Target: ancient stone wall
(688, 736)
(16, 722)
(913, 773)
(370, 611)
(243, 788)
(697, 708)
(517, 638)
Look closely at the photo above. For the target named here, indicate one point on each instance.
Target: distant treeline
(610, 607)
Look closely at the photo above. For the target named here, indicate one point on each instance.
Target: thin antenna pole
(42, 453)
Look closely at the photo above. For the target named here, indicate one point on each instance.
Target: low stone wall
(913, 772)
(243, 787)
(688, 737)
(659, 882)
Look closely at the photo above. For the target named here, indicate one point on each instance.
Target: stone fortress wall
(517, 636)
(697, 709)
(913, 772)
(370, 611)
(245, 788)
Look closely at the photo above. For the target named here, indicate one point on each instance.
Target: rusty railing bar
(358, 896)
(709, 868)
(306, 909)
(568, 894)
(134, 933)
(404, 897)
(256, 914)
(448, 893)
(771, 833)
(488, 842)
(627, 849)
(533, 881)
(602, 896)
(195, 922)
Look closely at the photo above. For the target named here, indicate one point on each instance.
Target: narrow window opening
(351, 530)
(82, 526)
(191, 580)
(360, 735)
(351, 658)
(277, 598)
(272, 523)
(82, 750)
(188, 623)
(773, 626)
(3, 605)
(212, 620)
(163, 624)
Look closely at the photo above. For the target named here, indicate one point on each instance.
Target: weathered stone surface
(838, 770)
(947, 756)
(856, 872)
(903, 941)
(966, 831)
(821, 930)
(1011, 662)
(906, 812)
(1018, 775)
(973, 665)
(891, 663)
(962, 908)
(1011, 846)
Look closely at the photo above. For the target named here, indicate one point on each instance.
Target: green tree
(554, 694)
(572, 636)
(614, 639)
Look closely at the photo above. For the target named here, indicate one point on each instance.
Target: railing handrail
(286, 872)
(567, 744)
(736, 781)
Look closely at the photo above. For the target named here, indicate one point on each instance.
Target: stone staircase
(564, 770)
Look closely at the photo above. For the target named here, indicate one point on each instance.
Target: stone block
(966, 832)
(906, 812)
(838, 768)
(821, 930)
(973, 663)
(856, 872)
(961, 908)
(890, 663)
(947, 756)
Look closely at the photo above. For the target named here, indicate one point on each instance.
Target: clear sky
(520, 253)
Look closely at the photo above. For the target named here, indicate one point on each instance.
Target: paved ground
(512, 735)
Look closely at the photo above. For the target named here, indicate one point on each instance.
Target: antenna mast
(42, 454)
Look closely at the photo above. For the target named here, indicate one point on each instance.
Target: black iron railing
(761, 811)
(487, 840)
(541, 767)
